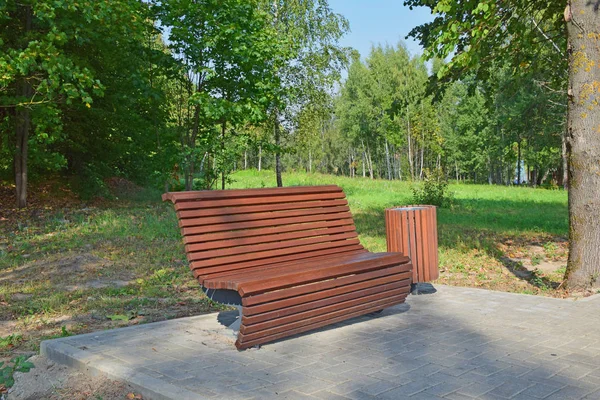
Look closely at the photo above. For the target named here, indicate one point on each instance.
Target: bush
(434, 190)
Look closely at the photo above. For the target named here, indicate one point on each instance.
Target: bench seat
(292, 255)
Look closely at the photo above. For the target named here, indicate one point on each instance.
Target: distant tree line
(385, 124)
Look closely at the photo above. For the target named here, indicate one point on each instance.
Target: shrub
(434, 190)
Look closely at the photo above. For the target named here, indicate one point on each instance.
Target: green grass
(482, 209)
(58, 269)
(51, 258)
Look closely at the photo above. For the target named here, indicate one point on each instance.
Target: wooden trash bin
(412, 230)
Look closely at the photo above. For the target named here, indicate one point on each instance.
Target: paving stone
(358, 395)
(409, 389)
(511, 388)
(540, 390)
(476, 389)
(424, 396)
(457, 396)
(379, 387)
(571, 393)
(353, 385)
(251, 385)
(490, 368)
(294, 395)
(442, 389)
(327, 395)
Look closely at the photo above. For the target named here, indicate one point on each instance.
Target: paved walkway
(455, 344)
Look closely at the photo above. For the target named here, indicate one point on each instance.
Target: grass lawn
(68, 266)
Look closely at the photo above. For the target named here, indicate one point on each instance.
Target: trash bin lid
(409, 208)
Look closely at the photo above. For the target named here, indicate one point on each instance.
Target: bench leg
(235, 327)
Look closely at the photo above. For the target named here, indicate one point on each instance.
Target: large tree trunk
(583, 145)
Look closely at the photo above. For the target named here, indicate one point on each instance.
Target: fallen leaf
(118, 317)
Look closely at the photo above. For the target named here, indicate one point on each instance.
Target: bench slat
(264, 223)
(328, 298)
(257, 201)
(188, 211)
(212, 273)
(320, 290)
(305, 265)
(259, 255)
(228, 219)
(326, 306)
(177, 197)
(302, 261)
(223, 244)
(243, 343)
(287, 328)
(207, 237)
(229, 251)
(309, 276)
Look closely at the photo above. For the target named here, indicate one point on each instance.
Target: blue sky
(379, 21)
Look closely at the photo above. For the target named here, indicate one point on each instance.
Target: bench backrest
(226, 231)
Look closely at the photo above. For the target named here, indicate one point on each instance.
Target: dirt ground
(50, 381)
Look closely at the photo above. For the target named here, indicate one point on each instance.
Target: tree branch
(547, 37)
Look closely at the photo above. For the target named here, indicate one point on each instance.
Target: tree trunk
(22, 128)
(519, 163)
(387, 161)
(544, 177)
(364, 160)
(350, 174)
(245, 159)
(565, 163)
(399, 164)
(456, 168)
(370, 162)
(309, 161)
(422, 157)
(223, 126)
(259, 158)
(410, 155)
(583, 146)
(277, 152)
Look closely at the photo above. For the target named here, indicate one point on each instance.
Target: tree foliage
(58, 59)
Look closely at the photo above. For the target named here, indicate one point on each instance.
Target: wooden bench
(289, 256)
